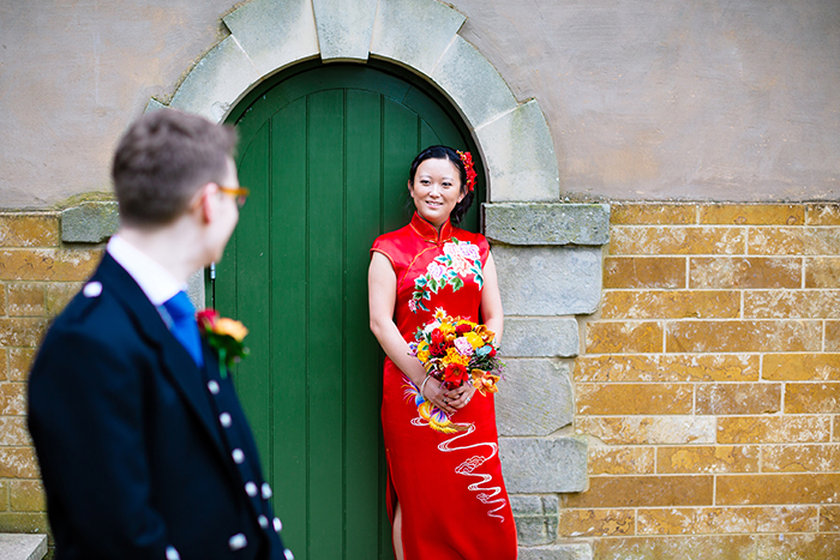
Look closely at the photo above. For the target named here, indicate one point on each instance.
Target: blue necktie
(183, 327)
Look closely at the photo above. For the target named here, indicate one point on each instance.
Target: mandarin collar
(428, 232)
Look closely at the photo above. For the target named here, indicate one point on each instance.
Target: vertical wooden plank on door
(325, 143)
(252, 287)
(363, 378)
(290, 415)
(400, 144)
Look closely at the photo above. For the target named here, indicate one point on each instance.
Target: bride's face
(436, 190)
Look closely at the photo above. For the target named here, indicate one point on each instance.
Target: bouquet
(454, 350)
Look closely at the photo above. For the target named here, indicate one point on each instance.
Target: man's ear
(202, 203)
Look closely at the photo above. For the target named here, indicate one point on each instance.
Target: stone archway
(548, 253)
(267, 36)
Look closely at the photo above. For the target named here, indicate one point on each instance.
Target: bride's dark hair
(445, 152)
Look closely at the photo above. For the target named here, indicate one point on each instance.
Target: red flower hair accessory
(466, 159)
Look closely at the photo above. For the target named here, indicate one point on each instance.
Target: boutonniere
(225, 335)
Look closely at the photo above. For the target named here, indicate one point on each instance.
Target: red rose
(454, 375)
(463, 328)
(206, 318)
(492, 352)
(437, 336)
(438, 349)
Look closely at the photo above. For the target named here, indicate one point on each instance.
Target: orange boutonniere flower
(225, 335)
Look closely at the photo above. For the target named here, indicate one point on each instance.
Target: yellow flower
(447, 328)
(455, 357)
(234, 329)
(423, 356)
(474, 339)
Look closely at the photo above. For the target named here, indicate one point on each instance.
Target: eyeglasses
(240, 193)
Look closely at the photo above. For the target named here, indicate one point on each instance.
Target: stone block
(462, 59)
(801, 367)
(738, 398)
(812, 398)
(822, 272)
(653, 213)
(756, 214)
(18, 462)
(28, 230)
(822, 214)
(27, 495)
(649, 430)
(20, 362)
(596, 522)
(794, 241)
(153, 105)
(91, 222)
(397, 37)
(644, 491)
(275, 34)
(556, 552)
(217, 81)
(622, 460)
(547, 223)
(535, 397)
(707, 458)
(645, 272)
(47, 264)
(800, 458)
(543, 465)
(830, 518)
(548, 280)
(721, 520)
(746, 272)
(633, 398)
(671, 304)
(13, 431)
(792, 304)
(754, 489)
(532, 337)
(669, 240)
(663, 368)
(519, 155)
(22, 331)
(609, 337)
(832, 336)
(344, 28)
(26, 300)
(22, 546)
(12, 399)
(773, 429)
(536, 518)
(744, 336)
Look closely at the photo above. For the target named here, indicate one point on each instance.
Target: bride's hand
(459, 397)
(434, 392)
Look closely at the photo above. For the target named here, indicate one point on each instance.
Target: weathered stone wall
(709, 386)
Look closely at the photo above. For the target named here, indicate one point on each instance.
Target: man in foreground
(144, 449)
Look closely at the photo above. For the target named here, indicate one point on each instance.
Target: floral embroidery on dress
(459, 260)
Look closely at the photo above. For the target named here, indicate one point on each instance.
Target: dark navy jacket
(143, 454)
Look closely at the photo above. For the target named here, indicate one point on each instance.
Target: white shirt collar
(155, 281)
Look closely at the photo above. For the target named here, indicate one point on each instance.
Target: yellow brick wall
(37, 278)
(709, 385)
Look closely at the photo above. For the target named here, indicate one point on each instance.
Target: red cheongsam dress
(449, 486)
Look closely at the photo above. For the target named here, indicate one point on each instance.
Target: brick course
(709, 385)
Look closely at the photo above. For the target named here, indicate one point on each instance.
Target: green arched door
(325, 153)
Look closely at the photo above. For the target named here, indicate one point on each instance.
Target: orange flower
(230, 327)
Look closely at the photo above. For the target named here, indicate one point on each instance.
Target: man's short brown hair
(161, 162)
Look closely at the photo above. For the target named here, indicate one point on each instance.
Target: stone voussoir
(344, 28)
(547, 223)
(275, 34)
(397, 37)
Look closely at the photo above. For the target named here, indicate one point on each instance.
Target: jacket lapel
(179, 366)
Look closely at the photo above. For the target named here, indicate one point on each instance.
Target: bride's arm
(491, 300)
(382, 295)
